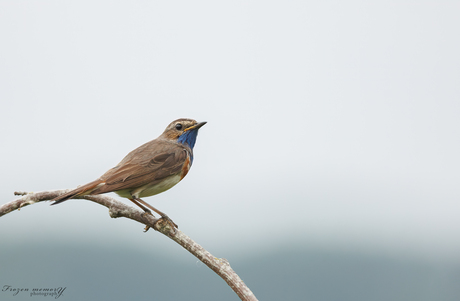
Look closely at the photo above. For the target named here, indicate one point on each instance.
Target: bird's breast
(153, 189)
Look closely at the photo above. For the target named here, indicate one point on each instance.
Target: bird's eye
(178, 126)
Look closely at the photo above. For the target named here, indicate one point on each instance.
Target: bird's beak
(196, 126)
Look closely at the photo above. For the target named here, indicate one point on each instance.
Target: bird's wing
(150, 163)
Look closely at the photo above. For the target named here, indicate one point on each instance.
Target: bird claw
(147, 212)
(172, 224)
(164, 218)
(170, 221)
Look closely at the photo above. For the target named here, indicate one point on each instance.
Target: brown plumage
(150, 169)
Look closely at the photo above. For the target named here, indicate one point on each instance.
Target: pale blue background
(330, 157)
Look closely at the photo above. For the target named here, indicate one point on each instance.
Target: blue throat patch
(189, 138)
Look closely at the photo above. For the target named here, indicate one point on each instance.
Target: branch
(118, 209)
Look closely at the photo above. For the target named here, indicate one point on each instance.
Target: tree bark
(118, 209)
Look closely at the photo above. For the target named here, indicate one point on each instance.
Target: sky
(330, 123)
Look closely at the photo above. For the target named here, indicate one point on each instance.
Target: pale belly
(149, 190)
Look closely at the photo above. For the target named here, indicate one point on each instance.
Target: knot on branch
(223, 261)
(115, 212)
(21, 192)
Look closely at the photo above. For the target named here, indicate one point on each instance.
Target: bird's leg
(140, 205)
(139, 201)
(146, 211)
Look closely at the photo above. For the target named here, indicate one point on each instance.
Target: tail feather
(82, 190)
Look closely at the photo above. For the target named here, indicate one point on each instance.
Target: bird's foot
(146, 212)
(170, 221)
(165, 219)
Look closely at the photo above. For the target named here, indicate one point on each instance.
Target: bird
(150, 169)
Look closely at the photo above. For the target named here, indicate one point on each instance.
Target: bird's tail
(82, 190)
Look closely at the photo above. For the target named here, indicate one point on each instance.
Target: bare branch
(118, 209)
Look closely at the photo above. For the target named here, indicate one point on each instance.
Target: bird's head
(183, 130)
